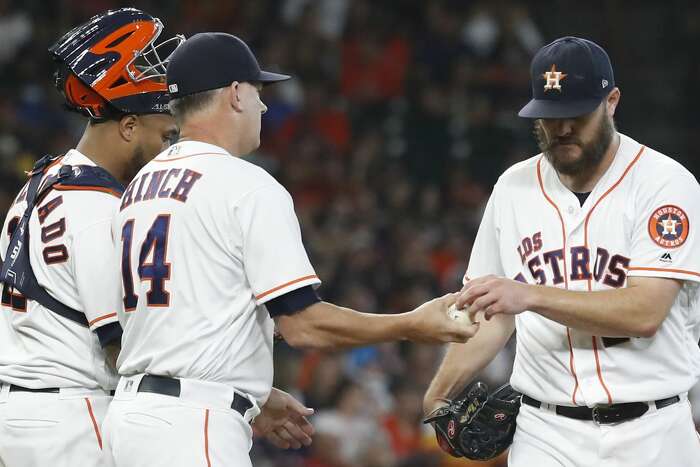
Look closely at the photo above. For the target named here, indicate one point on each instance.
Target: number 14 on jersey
(157, 271)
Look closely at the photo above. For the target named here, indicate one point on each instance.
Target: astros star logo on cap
(552, 78)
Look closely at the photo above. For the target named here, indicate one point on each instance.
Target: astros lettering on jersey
(638, 221)
(205, 240)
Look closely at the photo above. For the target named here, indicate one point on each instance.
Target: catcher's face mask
(113, 59)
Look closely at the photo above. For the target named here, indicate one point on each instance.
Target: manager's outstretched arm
(325, 326)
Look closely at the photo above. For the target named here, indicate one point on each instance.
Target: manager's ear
(234, 98)
(127, 127)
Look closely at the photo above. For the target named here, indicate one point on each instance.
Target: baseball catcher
(475, 425)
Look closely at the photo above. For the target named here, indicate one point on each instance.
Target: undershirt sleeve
(292, 302)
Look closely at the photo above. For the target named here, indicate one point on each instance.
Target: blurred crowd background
(401, 116)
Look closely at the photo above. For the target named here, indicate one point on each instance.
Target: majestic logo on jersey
(174, 149)
(669, 226)
(552, 79)
(666, 258)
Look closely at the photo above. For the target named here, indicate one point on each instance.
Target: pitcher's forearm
(462, 362)
(634, 311)
(325, 325)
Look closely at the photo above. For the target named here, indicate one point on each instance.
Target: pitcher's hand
(493, 295)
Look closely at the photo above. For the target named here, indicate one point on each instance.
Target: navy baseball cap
(570, 77)
(212, 60)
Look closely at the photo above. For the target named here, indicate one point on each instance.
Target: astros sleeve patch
(663, 244)
(669, 226)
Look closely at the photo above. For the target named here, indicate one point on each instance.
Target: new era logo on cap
(172, 87)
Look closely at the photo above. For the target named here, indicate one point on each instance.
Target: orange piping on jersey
(681, 271)
(561, 219)
(313, 276)
(572, 366)
(585, 243)
(101, 318)
(206, 436)
(594, 339)
(190, 155)
(61, 187)
(94, 422)
(588, 216)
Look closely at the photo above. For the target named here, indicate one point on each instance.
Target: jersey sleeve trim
(293, 301)
(668, 272)
(109, 333)
(60, 187)
(312, 278)
(101, 318)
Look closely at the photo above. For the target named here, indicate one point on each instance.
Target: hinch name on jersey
(549, 267)
(169, 183)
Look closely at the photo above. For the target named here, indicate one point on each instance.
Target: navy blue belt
(15, 388)
(605, 414)
(171, 387)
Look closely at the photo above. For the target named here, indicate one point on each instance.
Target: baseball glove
(475, 425)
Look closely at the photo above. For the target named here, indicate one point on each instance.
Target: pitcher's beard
(592, 153)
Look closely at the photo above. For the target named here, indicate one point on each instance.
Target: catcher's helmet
(110, 65)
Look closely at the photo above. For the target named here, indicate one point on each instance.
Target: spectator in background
(352, 424)
(15, 30)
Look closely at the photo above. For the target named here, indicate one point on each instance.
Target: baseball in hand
(458, 315)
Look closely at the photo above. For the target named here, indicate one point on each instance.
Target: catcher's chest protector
(17, 270)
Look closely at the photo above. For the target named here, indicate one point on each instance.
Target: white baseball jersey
(72, 255)
(637, 221)
(205, 240)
